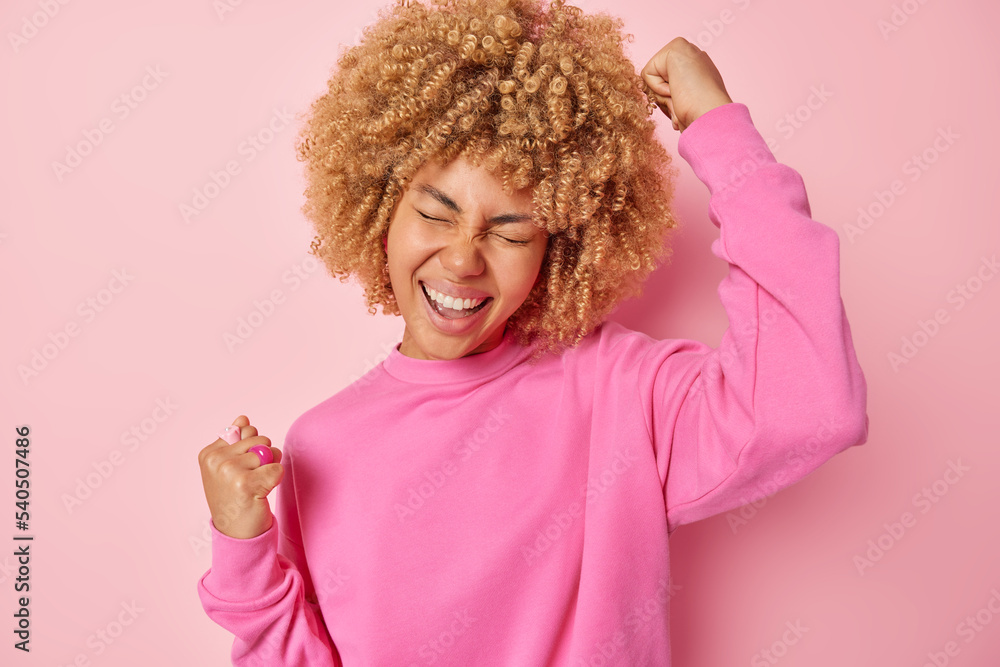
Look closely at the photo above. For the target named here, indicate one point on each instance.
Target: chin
(434, 344)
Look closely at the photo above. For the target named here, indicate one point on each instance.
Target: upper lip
(457, 291)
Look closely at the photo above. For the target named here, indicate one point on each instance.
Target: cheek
(529, 277)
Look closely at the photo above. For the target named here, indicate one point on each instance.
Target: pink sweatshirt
(480, 511)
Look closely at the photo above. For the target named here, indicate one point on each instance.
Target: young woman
(500, 490)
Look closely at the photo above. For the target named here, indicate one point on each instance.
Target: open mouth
(451, 313)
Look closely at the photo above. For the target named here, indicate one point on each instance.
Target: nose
(462, 257)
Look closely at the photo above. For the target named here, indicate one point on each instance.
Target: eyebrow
(502, 219)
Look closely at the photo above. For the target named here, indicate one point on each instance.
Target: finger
(246, 430)
(236, 431)
(661, 100)
(220, 452)
(670, 110)
(244, 445)
(253, 460)
(655, 71)
(652, 75)
(658, 83)
(264, 481)
(230, 434)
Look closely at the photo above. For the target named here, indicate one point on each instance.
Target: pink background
(139, 536)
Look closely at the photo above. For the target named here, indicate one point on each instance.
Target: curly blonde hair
(543, 99)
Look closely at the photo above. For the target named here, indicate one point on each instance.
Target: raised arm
(783, 392)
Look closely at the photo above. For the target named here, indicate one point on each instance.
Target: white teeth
(449, 301)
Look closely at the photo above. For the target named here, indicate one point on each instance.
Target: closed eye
(512, 241)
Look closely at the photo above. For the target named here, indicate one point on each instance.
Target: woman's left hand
(685, 82)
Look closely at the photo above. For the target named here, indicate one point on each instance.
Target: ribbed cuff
(723, 146)
(244, 570)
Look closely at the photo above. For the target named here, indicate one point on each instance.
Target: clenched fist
(685, 82)
(236, 484)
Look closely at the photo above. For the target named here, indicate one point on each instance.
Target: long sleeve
(510, 514)
(783, 392)
(260, 589)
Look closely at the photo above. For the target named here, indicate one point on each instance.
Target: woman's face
(455, 231)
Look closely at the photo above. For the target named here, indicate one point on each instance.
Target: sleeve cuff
(723, 146)
(244, 569)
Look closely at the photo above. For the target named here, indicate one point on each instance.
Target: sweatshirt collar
(484, 365)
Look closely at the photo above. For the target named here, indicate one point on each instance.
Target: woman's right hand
(685, 82)
(236, 484)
